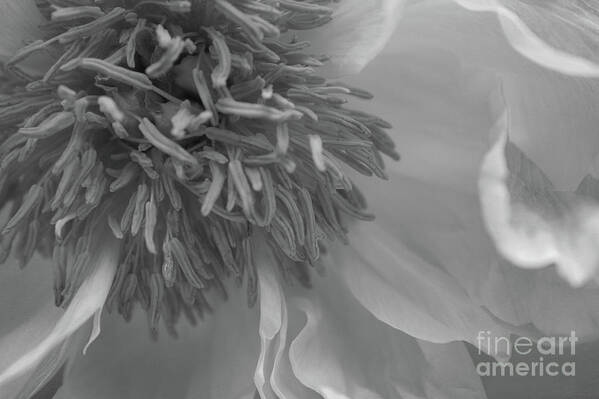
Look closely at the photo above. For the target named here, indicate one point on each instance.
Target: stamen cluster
(188, 128)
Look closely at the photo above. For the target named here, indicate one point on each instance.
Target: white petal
(89, 298)
(343, 352)
(464, 56)
(532, 225)
(274, 377)
(402, 289)
(437, 105)
(554, 117)
(19, 22)
(445, 228)
(272, 312)
(573, 26)
(358, 32)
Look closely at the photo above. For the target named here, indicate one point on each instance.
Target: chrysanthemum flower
(182, 165)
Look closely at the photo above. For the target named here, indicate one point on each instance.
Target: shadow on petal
(358, 32)
(342, 351)
(533, 225)
(552, 33)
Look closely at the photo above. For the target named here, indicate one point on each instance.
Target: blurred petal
(439, 109)
(344, 352)
(449, 373)
(226, 368)
(272, 311)
(89, 298)
(556, 34)
(444, 226)
(274, 377)
(358, 32)
(465, 57)
(532, 225)
(553, 117)
(213, 359)
(404, 290)
(126, 363)
(26, 314)
(19, 22)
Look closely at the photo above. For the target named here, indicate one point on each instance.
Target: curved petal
(90, 298)
(531, 224)
(445, 228)
(274, 377)
(402, 289)
(556, 34)
(549, 111)
(553, 118)
(358, 31)
(19, 22)
(344, 352)
(273, 311)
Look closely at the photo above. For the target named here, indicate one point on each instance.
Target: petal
(19, 22)
(227, 367)
(214, 358)
(274, 377)
(439, 109)
(445, 380)
(402, 289)
(272, 313)
(358, 32)
(26, 313)
(544, 104)
(467, 61)
(531, 224)
(344, 352)
(558, 35)
(126, 363)
(89, 298)
(445, 228)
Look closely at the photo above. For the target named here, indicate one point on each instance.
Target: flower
(382, 317)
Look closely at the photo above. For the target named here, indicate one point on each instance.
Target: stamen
(204, 93)
(173, 47)
(114, 226)
(109, 107)
(150, 225)
(180, 254)
(221, 72)
(161, 142)
(316, 147)
(139, 210)
(190, 135)
(120, 74)
(255, 111)
(72, 13)
(254, 177)
(182, 120)
(216, 186)
(31, 200)
(93, 27)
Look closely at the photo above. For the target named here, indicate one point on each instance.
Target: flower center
(189, 128)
